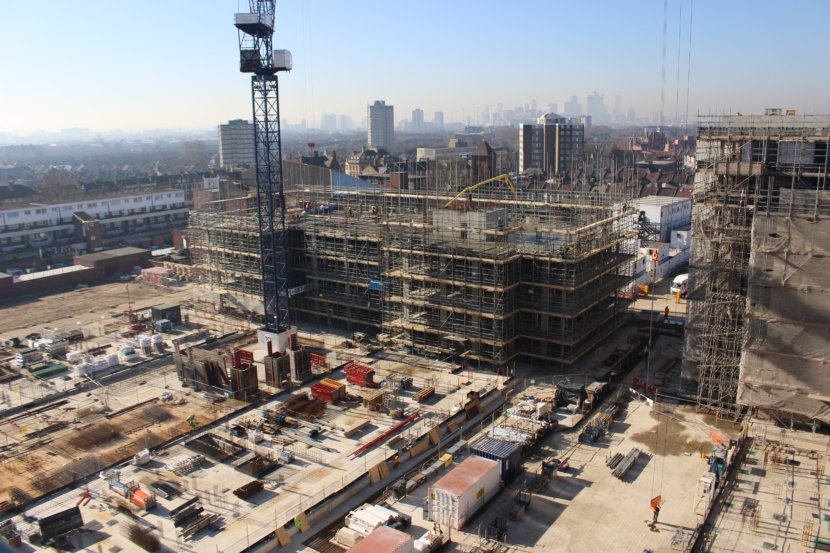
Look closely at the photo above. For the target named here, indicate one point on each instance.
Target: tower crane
(256, 56)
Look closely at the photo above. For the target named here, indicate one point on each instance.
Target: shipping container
(385, 540)
(457, 496)
(508, 455)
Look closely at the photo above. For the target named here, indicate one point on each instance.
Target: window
(12, 214)
(93, 204)
(27, 212)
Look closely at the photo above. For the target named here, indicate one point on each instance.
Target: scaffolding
(749, 169)
(224, 245)
(339, 258)
(540, 277)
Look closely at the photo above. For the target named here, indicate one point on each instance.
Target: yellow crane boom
(505, 178)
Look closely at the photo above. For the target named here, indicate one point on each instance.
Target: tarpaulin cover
(784, 365)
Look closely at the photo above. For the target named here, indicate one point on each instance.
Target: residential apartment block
(552, 145)
(90, 222)
(236, 144)
(381, 119)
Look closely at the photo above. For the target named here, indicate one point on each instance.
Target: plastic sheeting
(784, 364)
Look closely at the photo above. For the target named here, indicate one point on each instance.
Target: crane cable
(689, 65)
(677, 79)
(663, 72)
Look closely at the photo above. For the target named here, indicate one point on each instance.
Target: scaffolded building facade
(756, 333)
(487, 280)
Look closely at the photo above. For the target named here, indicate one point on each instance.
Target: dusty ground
(86, 440)
(85, 305)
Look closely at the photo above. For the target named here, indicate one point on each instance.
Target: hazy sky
(174, 63)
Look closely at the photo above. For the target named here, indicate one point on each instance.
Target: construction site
(489, 279)
(456, 364)
(466, 370)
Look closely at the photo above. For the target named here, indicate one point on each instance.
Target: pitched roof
(483, 149)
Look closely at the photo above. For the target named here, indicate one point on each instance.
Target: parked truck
(679, 284)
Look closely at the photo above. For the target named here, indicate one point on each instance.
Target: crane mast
(256, 56)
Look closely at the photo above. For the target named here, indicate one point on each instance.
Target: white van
(679, 284)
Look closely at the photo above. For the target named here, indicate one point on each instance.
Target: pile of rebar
(627, 462)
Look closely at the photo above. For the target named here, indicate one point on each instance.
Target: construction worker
(655, 509)
(666, 313)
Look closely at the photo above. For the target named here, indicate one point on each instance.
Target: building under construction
(485, 279)
(757, 328)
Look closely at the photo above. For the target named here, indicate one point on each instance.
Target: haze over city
(102, 66)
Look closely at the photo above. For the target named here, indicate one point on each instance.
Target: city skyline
(115, 76)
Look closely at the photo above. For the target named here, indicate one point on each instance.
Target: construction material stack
(249, 490)
(329, 390)
(360, 375)
(133, 493)
(423, 394)
(600, 426)
(625, 464)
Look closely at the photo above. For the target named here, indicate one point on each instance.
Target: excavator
(505, 178)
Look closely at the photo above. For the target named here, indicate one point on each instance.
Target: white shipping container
(456, 497)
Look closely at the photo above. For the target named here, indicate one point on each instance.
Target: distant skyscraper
(417, 120)
(572, 107)
(236, 143)
(552, 144)
(596, 108)
(381, 121)
(328, 122)
(345, 123)
(438, 120)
